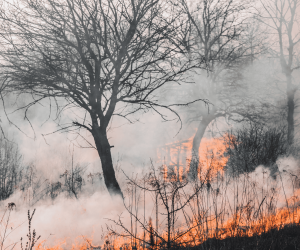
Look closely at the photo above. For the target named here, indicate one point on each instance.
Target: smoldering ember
(149, 124)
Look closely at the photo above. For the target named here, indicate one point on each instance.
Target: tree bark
(291, 108)
(206, 120)
(104, 151)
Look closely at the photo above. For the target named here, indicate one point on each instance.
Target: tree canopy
(106, 58)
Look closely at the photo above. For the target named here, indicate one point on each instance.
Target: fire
(245, 205)
(41, 246)
(234, 227)
(211, 158)
(243, 223)
(252, 212)
(239, 226)
(81, 243)
(177, 158)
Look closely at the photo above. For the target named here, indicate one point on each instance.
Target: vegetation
(94, 60)
(218, 210)
(32, 237)
(255, 145)
(241, 204)
(227, 41)
(109, 59)
(15, 177)
(101, 58)
(10, 168)
(286, 238)
(282, 18)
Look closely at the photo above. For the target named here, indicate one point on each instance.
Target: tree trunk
(291, 107)
(103, 148)
(206, 120)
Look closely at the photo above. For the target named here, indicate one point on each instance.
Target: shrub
(254, 145)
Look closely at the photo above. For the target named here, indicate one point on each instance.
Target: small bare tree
(172, 196)
(73, 180)
(105, 58)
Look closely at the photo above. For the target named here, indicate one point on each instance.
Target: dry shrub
(255, 145)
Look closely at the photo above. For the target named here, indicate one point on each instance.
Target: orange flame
(177, 157)
(245, 220)
(81, 243)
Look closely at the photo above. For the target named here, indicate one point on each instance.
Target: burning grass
(286, 238)
(218, 210)
(217, 205)
(81, 243)
(252, 214)
(209, 213)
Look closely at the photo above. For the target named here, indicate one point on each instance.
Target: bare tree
(172, 197)
(282, 19)
(222, 38)
(10, 168)
(105, 58)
